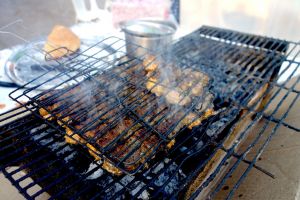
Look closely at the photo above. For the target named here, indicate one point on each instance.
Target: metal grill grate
(243, 73)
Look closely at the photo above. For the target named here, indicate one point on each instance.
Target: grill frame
(259, 114)
(104, 152)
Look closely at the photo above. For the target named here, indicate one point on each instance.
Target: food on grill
(177, 85)
(61, 42)
(137, 139)
(130, 138)
(71, 137)
(199, 158)
(145, 144)
(175, 97)
(150, 63)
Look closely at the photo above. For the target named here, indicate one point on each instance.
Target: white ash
(214, 127)
(41, 134)
(37, 136)
(118, 187)
(158, 167)
(104, 181)
(45, 141)
(96, 174)
(199, 145)
(56, 145)
(145, 195)
(161, 179)
(172, 186)
(120, 197)
(113, 190)
(64, 150)
(137, 187)
(69, 157)
(38, 128)
(182, 149)
(127, 179)
(181, 173)
(173, 183)
(93, 165)
(147, 172)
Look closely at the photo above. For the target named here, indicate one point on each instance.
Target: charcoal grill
(244, 70)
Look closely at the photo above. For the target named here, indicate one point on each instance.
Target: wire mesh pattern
(165, 142)
(111, 111)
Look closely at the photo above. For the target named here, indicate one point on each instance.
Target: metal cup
(144, 36)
